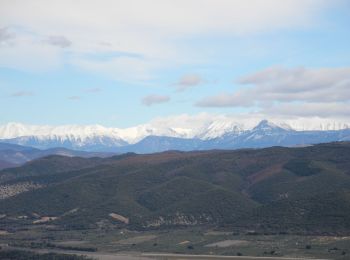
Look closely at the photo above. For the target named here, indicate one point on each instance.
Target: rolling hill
(305, 189)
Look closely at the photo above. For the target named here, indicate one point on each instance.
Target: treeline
(27, 255)
(40, 245)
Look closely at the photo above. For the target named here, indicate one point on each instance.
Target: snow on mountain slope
(83, 134)
(130, 135)
(266, 129)
(217, 129)
(99, 138)
(13, 130)
(135, 134)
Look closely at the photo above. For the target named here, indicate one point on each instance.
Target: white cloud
(93, 90)
(197, 122)
(296, 84)
(185, 120)
(286, 85)
(5, 36)
(291, 93)
(22, 93)
(238, 99)
(59, 41)
(121, 68)
(182, 16)
(155, 99)
(74, 98)
(27, 52)
(188, 81)
(325, 110)
(149, 28)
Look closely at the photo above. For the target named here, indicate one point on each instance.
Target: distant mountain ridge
(147, 138)
(12, 155)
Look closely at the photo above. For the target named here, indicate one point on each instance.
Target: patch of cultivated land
(228, 243)
(71, 243)
(136, 240)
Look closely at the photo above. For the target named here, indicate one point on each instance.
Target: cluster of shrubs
(336, 249)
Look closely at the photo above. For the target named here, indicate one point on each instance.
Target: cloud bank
(297, 91)
(154, 30)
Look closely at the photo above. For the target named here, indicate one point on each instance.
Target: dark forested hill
(282, 189)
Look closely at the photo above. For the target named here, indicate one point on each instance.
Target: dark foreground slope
(281, 189)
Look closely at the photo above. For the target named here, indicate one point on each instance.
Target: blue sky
(123, 63)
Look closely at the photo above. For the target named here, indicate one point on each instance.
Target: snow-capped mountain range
(132, 135)
(220, 134)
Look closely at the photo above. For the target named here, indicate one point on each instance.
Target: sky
(122, 63)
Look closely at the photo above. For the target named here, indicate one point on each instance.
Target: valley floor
(152, 256)
(174, 244)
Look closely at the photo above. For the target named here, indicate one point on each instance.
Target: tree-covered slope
(293, 189)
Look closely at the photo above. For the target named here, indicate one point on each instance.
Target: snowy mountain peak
(266, 125)
(219, 128)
